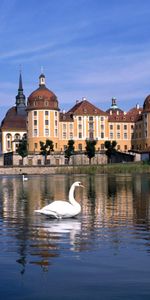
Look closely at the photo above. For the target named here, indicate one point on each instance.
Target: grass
(137, 167)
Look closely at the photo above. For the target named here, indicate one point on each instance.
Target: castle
(40, 119)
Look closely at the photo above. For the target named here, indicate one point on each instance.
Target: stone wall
(56, 160)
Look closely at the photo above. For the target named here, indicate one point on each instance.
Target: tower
(20, 99)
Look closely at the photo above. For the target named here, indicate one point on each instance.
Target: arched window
(17, 137)
(8, 142)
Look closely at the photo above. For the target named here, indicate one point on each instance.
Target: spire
(20, 98)
(20, 82)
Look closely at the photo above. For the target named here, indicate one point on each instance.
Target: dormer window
(46, 103)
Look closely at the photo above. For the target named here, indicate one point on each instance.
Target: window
(46, 122)
(55, 113)
(46, 131)
(125, 135)
(8, 141)
(125, 127)
(56, 132)
(79, 118)
(71, 135)
(111, 135)
(64, 126)
(46, 103)
(90, 118)
(102, 119)
(35, 122)
(71, 126)
(102, 126)
(35, 132)
(64, 135)
(56, 123)
(46, 113)
(125, 147)
(118, 127)
(102, 135)
(17, 136)
(118, 135)
(111, 127)
(35, 112)
(91, 125)
(8, 144)
(80, 126)
(80, 135)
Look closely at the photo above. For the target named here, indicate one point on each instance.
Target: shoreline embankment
(80, 169)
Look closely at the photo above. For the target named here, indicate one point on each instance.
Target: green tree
(90, 149)
(69, 150)
(46, 148)
(22, 149)
(110, 146)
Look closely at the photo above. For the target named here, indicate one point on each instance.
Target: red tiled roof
(114, 111)
(14, 121)
(86, 108)
(42, 98)
(131, 116)
(65, 117)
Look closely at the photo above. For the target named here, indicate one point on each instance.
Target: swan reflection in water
(52, 235)
(63, 227)
(48, 240)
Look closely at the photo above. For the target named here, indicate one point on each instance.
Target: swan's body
(24, 178)
(63, 209)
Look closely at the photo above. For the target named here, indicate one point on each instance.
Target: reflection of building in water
(107, 202)
(108, 206)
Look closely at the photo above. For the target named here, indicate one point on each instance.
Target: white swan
(63, 209)
(24, 178)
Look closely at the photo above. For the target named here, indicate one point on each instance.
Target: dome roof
(146, 105)
(14, 121)
(42, 98)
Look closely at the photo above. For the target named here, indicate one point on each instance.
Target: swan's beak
(82, 185)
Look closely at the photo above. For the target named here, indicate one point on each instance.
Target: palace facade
(41, 118)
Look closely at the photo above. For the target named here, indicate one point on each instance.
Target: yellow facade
(83, 121)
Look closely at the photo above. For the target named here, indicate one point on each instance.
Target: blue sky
(96, 49)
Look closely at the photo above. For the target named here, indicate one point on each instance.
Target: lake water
(102, 254)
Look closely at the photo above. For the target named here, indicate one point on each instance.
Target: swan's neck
(71, 196)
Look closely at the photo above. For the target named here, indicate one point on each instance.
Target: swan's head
(77, 183)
